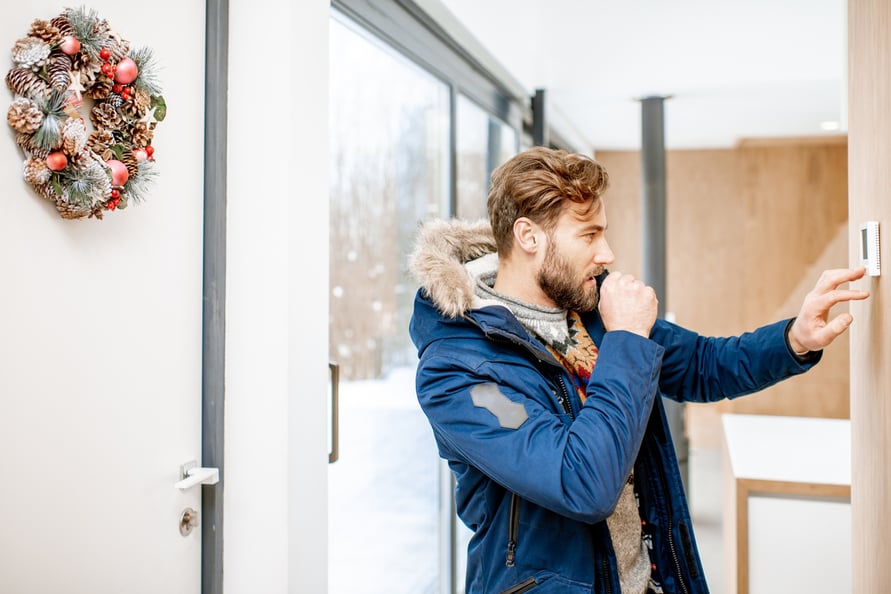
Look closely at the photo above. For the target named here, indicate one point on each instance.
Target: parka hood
(447, 258)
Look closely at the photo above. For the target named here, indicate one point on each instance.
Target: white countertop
(792, 449)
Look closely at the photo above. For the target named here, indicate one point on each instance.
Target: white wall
(275, 501)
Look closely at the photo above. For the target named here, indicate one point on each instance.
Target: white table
(787, 488)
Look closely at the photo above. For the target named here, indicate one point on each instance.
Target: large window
(415, 131)
(389, 143)
(483, 143)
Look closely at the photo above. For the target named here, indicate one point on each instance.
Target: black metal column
(539, 119)
(654, 224)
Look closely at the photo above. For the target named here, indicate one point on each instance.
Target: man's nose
(604, 255)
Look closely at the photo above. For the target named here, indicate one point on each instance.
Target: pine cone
(100, 142)
(138, 105)
(46, 190)
(118, 46)
(74, 136)
(100, 89)
(141, 100)
(24, 115)
(129, 160)
(88, 67)
(62, 24)
(30, 52)
(36, 172)
(25, 83)
(105, 116)
(25, 142)
(46, 31)
(103, 191)
(141, 134)
(72, 212)
(59, 65)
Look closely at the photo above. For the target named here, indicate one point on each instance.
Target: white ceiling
(734, 68)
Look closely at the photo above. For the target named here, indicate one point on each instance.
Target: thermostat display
(869, 247)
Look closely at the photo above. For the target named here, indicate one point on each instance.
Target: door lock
(187, 521)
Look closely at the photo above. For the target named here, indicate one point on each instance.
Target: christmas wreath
(71, 63)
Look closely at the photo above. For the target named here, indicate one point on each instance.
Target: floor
(705, 496)
(384, 496)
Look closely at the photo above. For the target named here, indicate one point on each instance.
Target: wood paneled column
(869, 191)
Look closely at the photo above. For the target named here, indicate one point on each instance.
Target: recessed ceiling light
(829, 125)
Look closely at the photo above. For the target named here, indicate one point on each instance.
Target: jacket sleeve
(705, 369)
(498, 416)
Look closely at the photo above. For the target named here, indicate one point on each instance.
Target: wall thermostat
(869, 247)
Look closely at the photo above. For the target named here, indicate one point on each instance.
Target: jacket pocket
(546, 582)
(523, 586)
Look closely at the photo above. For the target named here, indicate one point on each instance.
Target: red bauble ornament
(119, 173)
(115, 193)
(104, 53)
(149, 150)
(126, 71)
(57, 161)
(70, 45)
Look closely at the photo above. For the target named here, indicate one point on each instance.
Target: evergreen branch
(87, 30)
(49, 133)
(137, 186)
(147, 78)
(84, 186)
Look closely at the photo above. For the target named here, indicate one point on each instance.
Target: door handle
(191, 474)
(334, 454)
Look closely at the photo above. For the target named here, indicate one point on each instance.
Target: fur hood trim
(442, 249)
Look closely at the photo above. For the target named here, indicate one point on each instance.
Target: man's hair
(538, 183)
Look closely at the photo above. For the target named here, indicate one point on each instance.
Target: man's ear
(526, 235)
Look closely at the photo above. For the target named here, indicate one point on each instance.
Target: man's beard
(564, 287)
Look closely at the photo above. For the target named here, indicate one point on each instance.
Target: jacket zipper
(604, 563)
(674, 556)
(671, 544)
(563, 398)
(512, 530)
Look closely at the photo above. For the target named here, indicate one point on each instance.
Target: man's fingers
(831, 279)
(841, 295)
(841, 322)
(822, 337)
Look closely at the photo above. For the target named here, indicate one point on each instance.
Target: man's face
(576, 254)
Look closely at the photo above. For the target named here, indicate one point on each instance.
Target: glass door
(389, 170)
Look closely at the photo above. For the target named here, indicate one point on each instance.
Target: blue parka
(537, 472)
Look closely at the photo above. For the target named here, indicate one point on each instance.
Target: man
(539, 373)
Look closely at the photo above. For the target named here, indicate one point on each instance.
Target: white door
(100, 355)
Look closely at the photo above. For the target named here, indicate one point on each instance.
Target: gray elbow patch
(510, 414)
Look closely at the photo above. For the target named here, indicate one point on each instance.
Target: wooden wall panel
(869, 125)
(623, 209)
(749, 231)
